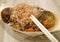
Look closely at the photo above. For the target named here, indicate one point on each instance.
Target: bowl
(34, 3)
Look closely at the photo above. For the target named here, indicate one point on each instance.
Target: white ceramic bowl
(42, 4)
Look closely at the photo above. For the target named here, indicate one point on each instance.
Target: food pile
(19, 17)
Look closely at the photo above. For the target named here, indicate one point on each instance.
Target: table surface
(7, 35)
